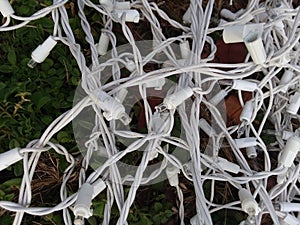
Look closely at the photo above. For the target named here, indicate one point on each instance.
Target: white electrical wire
(271, 99)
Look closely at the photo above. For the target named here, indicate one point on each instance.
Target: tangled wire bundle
(195, 89)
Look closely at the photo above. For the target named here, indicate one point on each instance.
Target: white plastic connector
(251, 152)
(175, 99)
(228, 166)
(172, 174)
(10, 157)
(42, 52)
(204, 125)
(290, 151)
(285, 79)
(108, 4)
(112, 108)
(250, 34)
(82, 207)
(130, 15)
(185, 49)
(157, 84)
(288, 207)
(130, 65)
(6, 8)
(245, 142)
(237, 33)
(247, 112)
(123, 5)
(244, 85)
(218, 97)
(294, 105)
(291, 220)
(249, 205)
(98, 187)
(103, 43)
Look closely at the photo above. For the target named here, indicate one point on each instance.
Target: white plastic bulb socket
(294, 105)
(291, 220)
(157, 84)
(42, 51)
(130, 65)
(205, 126)
(250, 34)
(98, 187)
(249, 205)
(172, 174)
(103, 43)
(218, 97)
(9, 158)
(247, 112)
(244, 85)
(130, 15)
(228, 166)
(82, 207)
(290, 151)
(112, 108)
(245, 142)
(285, 80)
(177, 98)
(6, 8)
(185, 49)
(288, 207)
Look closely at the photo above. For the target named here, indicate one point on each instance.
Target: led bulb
(204, 125)
(245, 142)
(285, 79)
(244, 85)
(185, 49)
(9, 158)
(130, 15)
(218, 97)
(172, 174)
(247, 112)
(112, 108)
